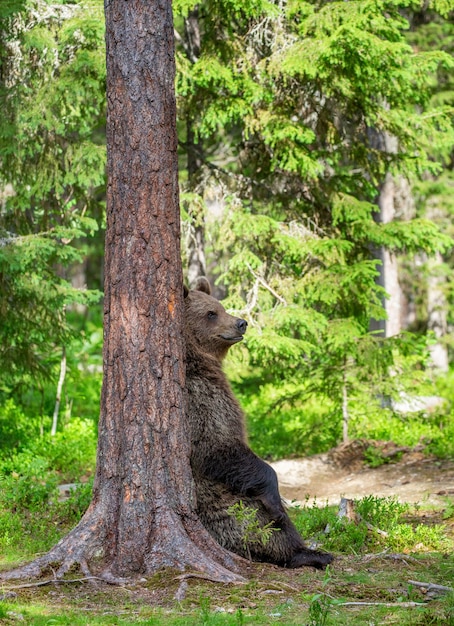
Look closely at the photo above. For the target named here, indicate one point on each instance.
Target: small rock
(15, 615)
(8, 595)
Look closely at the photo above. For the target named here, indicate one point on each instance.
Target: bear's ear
(185, 291)
(202, 284)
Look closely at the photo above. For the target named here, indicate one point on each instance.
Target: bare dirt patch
(414, 477)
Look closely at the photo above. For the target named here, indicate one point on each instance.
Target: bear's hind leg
(286, 546)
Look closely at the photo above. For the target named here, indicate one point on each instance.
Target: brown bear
(225, 469)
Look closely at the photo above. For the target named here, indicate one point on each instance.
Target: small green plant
(312, 520)
(319, 610)
(239, 615)
(374, 457)
(381, 524)
(321, 604)
(71, 452)
(3, 610)
(15, 428)
(420, 538)
(205, 609)
(71, 510)
(449, 508)
(253, 531)
(384, 513)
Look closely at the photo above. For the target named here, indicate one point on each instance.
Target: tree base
(181, 547)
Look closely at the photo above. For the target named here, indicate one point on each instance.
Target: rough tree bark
(141, 517)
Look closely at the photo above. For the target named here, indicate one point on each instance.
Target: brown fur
(225, 468)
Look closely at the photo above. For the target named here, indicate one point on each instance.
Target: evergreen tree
(281, 111)
(286, 101)
(52, 162)
(429, 281)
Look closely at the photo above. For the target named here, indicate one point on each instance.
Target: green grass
(370, 567)
(384, 523)
(375, 573)
(25, 532)
(271, 596)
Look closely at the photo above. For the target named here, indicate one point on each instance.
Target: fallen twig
(375, 555)
(58, 581)
(431, 587)
(403, 605)
(405, 558)
(282, 586)
(401, 557)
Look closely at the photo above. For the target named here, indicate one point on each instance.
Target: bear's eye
(211, 315)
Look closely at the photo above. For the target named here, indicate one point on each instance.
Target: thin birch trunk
(61, 381)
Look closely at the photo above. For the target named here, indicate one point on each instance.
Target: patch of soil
(414, 477)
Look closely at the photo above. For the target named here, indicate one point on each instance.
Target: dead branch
(396, 605)
(377, 555)
(405, 558)
(431, 588)
(264, 284)
(347, 509)
(281, 586)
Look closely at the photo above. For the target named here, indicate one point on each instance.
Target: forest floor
(371, 588)
(408, 474)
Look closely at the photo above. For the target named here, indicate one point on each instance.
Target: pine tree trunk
(142, 515)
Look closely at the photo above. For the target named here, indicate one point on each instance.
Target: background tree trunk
(141, 517)
(437, 306)
(61, 380)
(196, 235)
(389, 275)
(437, 313)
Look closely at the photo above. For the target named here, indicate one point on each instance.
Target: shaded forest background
(317, 193)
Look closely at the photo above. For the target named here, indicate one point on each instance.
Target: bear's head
(208, 323)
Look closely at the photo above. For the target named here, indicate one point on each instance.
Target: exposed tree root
(72, 552)
(56, 581)
(200, 576)
(173, 547)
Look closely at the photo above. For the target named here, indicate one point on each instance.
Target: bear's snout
(241, 325)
